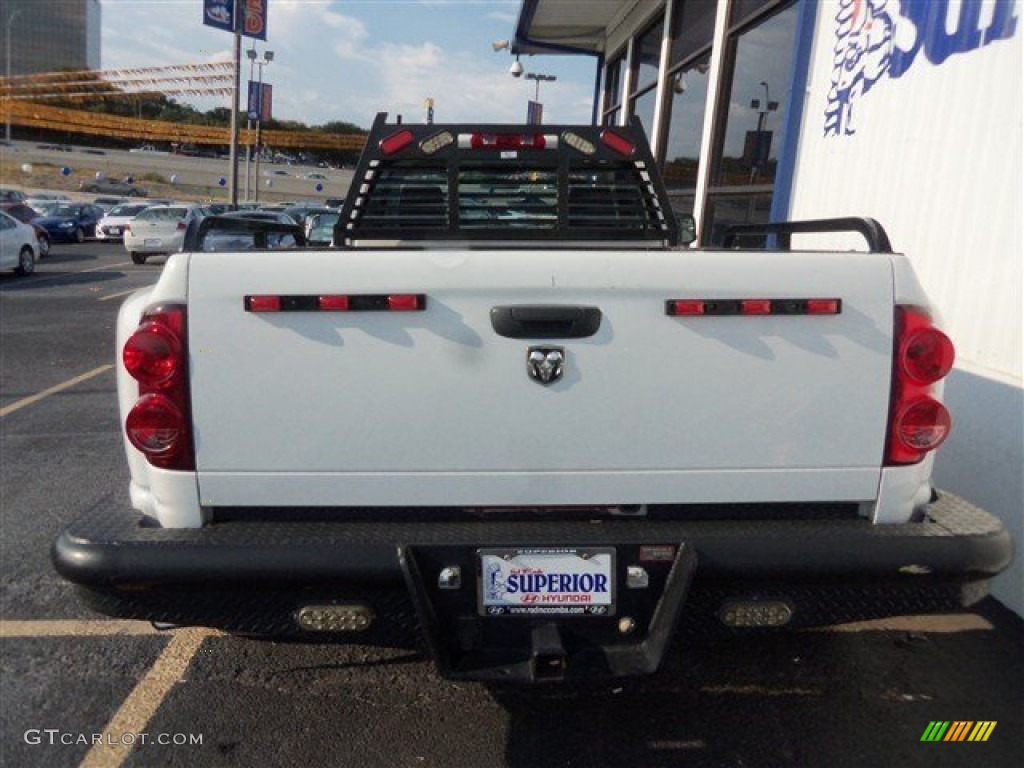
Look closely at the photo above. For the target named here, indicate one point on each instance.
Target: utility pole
(233, 185)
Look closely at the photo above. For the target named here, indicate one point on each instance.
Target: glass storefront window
(643, 107)
(751, 137)
(749, 133)
(648, 54)
(688, 91)
(613, 83)
(693, 23)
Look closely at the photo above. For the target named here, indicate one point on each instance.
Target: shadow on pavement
(798, 699)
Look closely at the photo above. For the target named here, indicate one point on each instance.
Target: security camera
(516, 70)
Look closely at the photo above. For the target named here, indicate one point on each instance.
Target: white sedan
(18, 245)
(112, 226)
(158, 229)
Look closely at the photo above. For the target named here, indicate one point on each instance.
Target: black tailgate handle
(545, 321)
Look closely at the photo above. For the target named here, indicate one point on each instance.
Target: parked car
(8, 195)
(287, 234)
(71, 222)
(320, 227)
(17, 245)
(27, 215)
(39, 199)
(114, 187)
(113, 224)
(108, 203)
(159, 229)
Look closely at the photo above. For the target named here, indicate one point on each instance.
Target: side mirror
(687, 229)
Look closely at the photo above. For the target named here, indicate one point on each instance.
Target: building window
(647, 53)
(613, 88)
(688, 91)
(643, 107)
(750, 113)
(693, 30)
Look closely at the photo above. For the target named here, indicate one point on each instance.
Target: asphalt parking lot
(855, 696)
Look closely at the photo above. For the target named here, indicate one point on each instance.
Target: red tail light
(396, 141)
(127, 228)
(619, 143)
(918, 423)
(156, 356)
(156, 427)
(182, 226)
(152, 355)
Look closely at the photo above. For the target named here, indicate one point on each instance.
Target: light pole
(268, 56)
(761, 146)
(251, 53)
(10, 23)
(538, 79)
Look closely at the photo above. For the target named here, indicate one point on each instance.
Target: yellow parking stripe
(142, 703)
(65, 628)
(27, 401)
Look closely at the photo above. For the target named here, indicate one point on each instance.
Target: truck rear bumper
(256, 577)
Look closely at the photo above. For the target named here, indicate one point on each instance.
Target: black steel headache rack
(513, 183)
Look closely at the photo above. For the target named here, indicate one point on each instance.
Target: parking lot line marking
(72, 628)
(145, 699)
(110, 296)
(27, 401)
(105, 266)
(43, 278)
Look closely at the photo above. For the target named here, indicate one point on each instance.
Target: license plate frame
(546, 581)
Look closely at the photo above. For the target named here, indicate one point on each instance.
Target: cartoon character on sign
(494, 583)
(862, 55)
(885, 39)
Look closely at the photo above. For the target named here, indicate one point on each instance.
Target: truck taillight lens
(923, 425)
(918, 423)
(927, 355)
(156, 356)
(156, 427)
(152, 355)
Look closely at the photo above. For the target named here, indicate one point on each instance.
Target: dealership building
(906, 111)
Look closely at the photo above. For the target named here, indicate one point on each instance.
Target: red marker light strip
(619, 143)
(396, 141)
(726, 307)
(385, 302)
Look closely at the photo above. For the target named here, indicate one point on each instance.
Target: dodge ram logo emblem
(545, 364)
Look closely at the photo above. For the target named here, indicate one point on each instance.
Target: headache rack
(505, 184)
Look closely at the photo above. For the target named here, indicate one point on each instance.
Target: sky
(349, 59)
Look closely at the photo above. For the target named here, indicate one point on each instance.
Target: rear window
(163, 214)
(127, 210)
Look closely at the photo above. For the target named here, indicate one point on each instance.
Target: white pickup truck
(509, 416)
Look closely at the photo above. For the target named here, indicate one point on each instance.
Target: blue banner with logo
(219, 14)
(260, 103)
(252, 13)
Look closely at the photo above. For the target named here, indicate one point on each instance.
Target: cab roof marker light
(578, 143)
(438, 141)
(396, 141)
(618, 143)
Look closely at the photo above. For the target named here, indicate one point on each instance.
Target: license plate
(151, 242)
(576, 581)
(113, 230)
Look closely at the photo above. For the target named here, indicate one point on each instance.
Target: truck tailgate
(434, 407)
